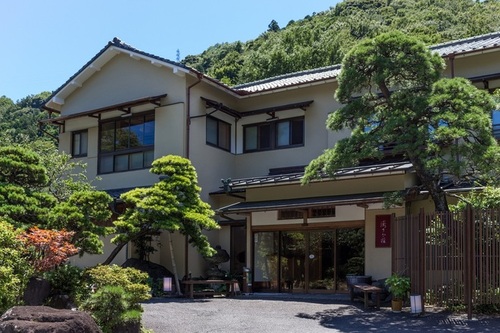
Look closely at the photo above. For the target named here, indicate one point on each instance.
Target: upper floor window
(273, 135)
(126, 143)
(79, 143)
(218, 133)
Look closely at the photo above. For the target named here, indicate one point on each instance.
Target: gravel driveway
(276, 313)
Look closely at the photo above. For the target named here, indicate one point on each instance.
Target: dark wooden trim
(123, 107)
(309, 226)
(272, 109)
(239, 114)
(221, 107)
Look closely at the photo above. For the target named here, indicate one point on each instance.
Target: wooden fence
(452, 258)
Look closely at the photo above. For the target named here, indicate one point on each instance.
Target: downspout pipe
(199, 77)
(451, 57)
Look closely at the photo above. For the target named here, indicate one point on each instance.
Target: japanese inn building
(249, 145)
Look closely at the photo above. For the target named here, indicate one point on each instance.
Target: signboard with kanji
(383, 231)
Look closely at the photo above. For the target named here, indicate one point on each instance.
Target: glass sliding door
(238, 250)
(350, 255)
(292, 261)
(266, 261)
(307, 261)
(321, 260)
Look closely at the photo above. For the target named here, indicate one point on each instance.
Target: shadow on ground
(352, 318)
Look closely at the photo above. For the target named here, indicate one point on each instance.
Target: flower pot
(397, 305)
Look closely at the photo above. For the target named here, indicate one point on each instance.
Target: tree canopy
(31, 196)
(172, 204)
(393, 94)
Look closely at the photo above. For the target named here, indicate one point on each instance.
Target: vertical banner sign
(383, 231)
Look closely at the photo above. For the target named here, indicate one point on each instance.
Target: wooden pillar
(469, 258)
(422, 255)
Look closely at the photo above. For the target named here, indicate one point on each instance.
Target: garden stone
(37, 291)
(61, 302)
(44, 319)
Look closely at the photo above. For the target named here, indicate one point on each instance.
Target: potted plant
(399, 286)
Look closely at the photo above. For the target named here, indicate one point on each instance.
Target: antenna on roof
(178, 55)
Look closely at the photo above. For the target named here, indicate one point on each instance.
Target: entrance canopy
(302, 203)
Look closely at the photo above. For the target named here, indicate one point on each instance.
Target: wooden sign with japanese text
(383, 231)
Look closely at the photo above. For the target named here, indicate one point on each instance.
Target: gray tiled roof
(303, 77)
(467, 45)
(296, 177)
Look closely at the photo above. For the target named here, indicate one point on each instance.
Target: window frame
(218, 144)
(115, 152)
(273, 138)
(81, 143)
(326, 211)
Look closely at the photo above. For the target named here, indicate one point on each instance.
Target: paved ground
(274, 313)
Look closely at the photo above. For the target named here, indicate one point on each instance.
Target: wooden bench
(230, 287)
(367, 289)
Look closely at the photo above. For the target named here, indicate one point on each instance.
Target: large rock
(155, 271)
(43, 319)
(37, 291)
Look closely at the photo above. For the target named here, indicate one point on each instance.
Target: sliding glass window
(126, 143)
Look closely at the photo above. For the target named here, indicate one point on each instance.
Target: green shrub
(9, 288)
(116, 297)
(132, 280)
(111, 307)
(14, 269)
(67, 280)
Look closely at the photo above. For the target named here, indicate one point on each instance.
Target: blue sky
(43, 43)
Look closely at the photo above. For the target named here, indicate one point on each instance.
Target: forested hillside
(19, 120)
(322, 39)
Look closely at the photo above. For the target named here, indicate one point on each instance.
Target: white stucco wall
(377, 259)
(90, 260)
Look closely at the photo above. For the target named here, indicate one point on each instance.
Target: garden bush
(132, 280)
(113, 307)
(67, 280)
(14, 269)
(117, 294)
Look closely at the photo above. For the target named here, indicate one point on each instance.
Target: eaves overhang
(238, 114)
(301, 203)
(124, 107)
